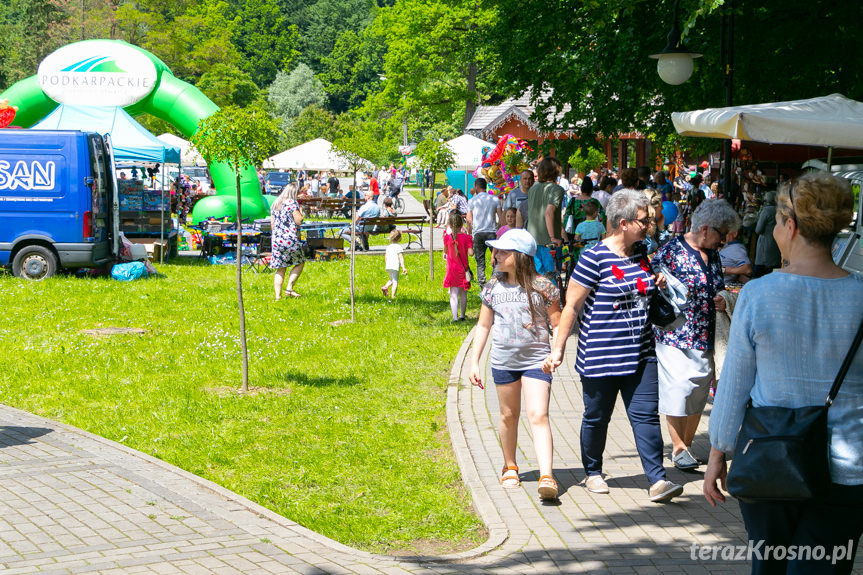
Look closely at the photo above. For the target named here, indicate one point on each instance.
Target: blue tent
(132, 142)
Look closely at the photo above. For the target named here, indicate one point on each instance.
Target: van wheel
(34, 263)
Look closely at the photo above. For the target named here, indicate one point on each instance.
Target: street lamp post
(675, 67)
(674, 63)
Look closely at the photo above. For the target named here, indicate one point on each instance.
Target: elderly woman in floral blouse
(685, 354)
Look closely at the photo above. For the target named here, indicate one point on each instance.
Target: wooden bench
(411, 226)
(328, 207)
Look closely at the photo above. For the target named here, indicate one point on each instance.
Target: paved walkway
(72, 502)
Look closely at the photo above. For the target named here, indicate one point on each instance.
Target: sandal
(509, 478)
(547, 488)
(292, 293)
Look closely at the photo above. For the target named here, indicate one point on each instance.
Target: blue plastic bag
(129, 271)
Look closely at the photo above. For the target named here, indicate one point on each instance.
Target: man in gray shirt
(482, 223)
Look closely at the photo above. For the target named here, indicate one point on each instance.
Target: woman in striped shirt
(611, 289)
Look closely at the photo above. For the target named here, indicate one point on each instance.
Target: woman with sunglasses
(609, 294)
(790, 333)
(685, 354)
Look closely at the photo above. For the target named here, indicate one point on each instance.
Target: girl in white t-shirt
(524, 310)
(393, 259)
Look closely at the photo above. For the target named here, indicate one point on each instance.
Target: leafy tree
(437, 157)
(240, 138)
(325, 20)
(586, 158)
(356, 142)
(266, 39)
(313, 122)
(352, 71)
(195, 41)
(225, 85)
(436, 56)
(30, 29)
(603, 72)
(290, 94)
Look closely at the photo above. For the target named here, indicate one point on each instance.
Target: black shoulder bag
(782, 454)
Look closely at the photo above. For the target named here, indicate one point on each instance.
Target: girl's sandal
(292, 293)
(509, 478)
(547, 488)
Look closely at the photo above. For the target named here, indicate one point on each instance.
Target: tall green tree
(227, 85)
(240, 138)
(436, 56)
(352, 71)
(313, 122)
(593, 58)
(266, 39)
(325, 20)
(30, 30)
(290, 94)
(193, 42)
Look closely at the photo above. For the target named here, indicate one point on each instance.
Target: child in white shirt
(393, 259)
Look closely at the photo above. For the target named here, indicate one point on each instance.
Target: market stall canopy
(467, 151)
(189, 156)
(830, 121)
(316, 156)
(132, 142)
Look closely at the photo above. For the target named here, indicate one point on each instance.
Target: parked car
(275, 182)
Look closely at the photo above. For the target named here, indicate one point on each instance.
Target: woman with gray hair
(287, 249)
(610, 290)
(685, 354)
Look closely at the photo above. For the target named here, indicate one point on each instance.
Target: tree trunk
(431, 230)
(245, 386)
(470, 103)
(353, 246)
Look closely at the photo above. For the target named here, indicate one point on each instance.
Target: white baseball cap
(516, 240)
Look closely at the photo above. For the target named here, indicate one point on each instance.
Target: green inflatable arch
(176, 102)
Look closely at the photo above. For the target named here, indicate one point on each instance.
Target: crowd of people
(789, 332)
(382, 182)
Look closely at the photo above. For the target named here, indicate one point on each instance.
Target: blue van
(57, 201)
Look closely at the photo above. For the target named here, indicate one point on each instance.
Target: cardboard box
(326, 243)
(329, 255)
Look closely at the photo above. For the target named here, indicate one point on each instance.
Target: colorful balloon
(501, 165)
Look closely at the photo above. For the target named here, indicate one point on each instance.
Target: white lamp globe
(674, 68)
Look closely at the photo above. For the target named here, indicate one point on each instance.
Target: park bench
(411, 226)
(328, 207)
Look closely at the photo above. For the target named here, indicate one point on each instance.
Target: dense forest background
(379, 66)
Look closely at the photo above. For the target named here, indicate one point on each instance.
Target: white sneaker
(596, 484)
(664, 490)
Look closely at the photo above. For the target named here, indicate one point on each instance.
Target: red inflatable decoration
(7, 113)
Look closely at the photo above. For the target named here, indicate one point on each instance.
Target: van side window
(98, 167)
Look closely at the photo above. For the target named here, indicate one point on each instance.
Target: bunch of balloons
(502, 164)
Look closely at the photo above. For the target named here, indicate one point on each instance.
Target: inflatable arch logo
(115, 73)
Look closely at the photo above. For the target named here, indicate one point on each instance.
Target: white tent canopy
(830, 121)
(316, 155)
(189, 156)
(467, 151)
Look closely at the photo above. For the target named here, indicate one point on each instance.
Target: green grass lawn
(344, 431)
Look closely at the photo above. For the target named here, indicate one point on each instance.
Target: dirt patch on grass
(101, 331)
(433, 548)
(225, 390)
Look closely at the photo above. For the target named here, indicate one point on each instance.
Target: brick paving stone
(71, 502)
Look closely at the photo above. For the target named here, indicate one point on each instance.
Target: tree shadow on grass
(419, 305)
(11, 435)
(300, 378)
